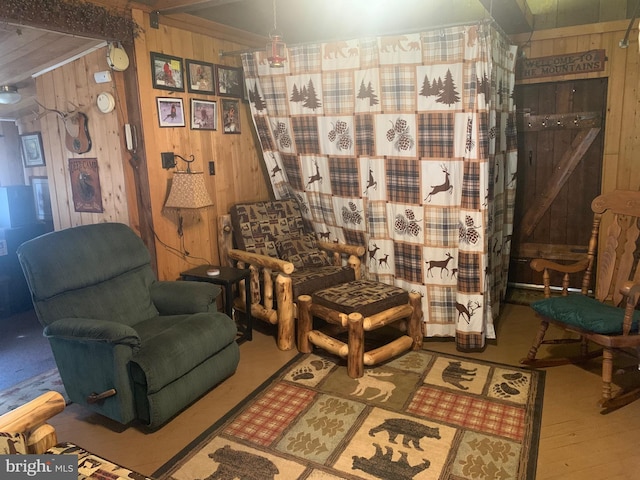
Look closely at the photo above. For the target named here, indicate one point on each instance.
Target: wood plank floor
(577, 442)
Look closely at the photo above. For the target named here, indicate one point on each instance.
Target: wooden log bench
(358, 307)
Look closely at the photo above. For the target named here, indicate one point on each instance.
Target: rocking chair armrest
(357, 250)
(541, 264)
(264, 261)
(631, 290)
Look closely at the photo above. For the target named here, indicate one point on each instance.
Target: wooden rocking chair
(609, 320)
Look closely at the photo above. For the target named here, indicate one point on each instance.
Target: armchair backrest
(99, 271)
(257, 226)
(616, 229)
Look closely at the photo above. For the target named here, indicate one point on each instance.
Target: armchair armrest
(93, 330)
(30, 420)
(357, 250)
(175, 298)
(264, 261)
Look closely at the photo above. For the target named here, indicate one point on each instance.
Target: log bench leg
(415, 326)
(355, 355)
(286, 320)
(304, 323)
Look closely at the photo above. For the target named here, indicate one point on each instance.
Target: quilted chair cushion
(302, 251)
(257, 226)
(585, 312)
(308, 280)
(362, 296)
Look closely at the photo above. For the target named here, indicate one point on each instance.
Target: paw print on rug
(320, 364)
(504, 390)
(516, 379)
(302, 373)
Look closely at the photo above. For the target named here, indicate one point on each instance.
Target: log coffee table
(227, 278)
(361, 306)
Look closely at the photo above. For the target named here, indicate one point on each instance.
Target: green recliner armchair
(127, 346)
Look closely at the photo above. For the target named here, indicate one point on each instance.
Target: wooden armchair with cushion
(610, 320)
(285, 259)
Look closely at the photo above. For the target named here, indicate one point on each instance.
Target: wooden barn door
(560, 151)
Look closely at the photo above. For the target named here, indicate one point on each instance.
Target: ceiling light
(9, 95)
(275, 48)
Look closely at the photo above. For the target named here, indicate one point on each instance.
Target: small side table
(228, 277)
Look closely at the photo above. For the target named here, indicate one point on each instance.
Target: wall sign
(566, 64)
(85, 185)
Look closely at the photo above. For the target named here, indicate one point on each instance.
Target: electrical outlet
(168, 160)
(212, 168)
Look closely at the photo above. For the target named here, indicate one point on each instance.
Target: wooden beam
(513, 16)
(565, 168)
(195, 24)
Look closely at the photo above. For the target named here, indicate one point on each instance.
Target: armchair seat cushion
(174, 345)
(308, 280)
(585, 313)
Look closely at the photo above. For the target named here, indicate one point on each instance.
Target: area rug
(31, 388)
(424, 415)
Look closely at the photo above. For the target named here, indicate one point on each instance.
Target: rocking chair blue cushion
(585, 313)
(113, 326)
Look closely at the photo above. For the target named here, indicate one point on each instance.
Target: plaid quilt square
(365, 143)
(403, 181)
(408, 262)
(305, 58)
(442, 304)
(377, 217)
(469, 272)
(471, 186)
(305, 131)
(264, 133)
(344, 177)
(274, 94)
(441, 227)
(338, 92)
(291, 165)
(398, 88)
(435, 135)
(444, 45)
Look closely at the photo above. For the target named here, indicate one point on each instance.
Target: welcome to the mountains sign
(566, 64)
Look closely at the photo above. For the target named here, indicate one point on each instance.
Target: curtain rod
(490, 21)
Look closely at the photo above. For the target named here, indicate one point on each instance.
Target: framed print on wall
(204, 115)
(170, 112)
(229, 81)
(200, 77)
(231, 117)
(167, 72)
(42, 198)
(32, 151)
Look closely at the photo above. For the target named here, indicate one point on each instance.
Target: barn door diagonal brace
(563, 171)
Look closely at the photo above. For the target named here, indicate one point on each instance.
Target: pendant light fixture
(9, 95)
(276, 48)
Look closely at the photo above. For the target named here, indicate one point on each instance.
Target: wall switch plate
(167, 160)
(212, 168)
(102, 77)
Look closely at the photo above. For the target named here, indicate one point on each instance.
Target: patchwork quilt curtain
(406, 145)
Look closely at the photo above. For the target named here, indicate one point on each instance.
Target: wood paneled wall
(622, 142)
(239, 173)
(66, 88)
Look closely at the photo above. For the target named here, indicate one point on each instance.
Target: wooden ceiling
(25, 51)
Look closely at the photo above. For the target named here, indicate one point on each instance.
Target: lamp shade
(188, 190)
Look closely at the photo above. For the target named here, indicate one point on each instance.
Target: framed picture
(42, 198)
(230, 116)
(200, 77)
(204, 115)
(32, 152)
(167, 72)
(229, 81)
(170, 112)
